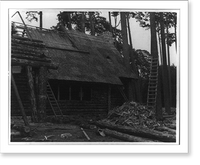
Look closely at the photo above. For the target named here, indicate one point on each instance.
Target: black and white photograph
(94, 76)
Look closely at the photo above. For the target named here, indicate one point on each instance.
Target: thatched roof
(29, 52)
(82, 57)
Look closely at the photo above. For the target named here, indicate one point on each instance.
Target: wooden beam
(32, 58)
(24, 62)
(19, 101)
(42, 94)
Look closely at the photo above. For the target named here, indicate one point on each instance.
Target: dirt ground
(71, 128)
(67, 129)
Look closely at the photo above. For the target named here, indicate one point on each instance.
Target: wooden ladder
(153, 84)
(53, 102)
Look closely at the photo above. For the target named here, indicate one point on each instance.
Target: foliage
(143, 60)
(170, 21)
(32, 15)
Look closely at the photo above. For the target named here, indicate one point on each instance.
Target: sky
(140, 36)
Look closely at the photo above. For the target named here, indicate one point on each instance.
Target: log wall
(98, 102)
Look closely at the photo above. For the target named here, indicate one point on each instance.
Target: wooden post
(32, 93)
(19, 101)
(109, 98)
(42, 83)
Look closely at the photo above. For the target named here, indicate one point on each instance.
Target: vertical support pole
(42, 83)
(41, 21)
(109, 98)
(32, 93)
(19, 101)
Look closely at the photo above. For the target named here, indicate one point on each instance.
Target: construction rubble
(134, 114)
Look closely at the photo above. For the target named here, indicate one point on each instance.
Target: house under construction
(57, 73)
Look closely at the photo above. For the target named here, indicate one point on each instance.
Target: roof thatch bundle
(82, 57)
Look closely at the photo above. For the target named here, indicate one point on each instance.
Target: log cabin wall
(98, 102)
(116, 98)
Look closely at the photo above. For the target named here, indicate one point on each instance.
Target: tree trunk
(19, 101)
(154, 46)
(109, 15)
(154, 52)
(126, 50)
(141, 132)
(91, 17)
(83, 22)
(125, 137)
(169, 70)
(32, 94)
(165, 68)
(133, 66)
(175, 33)
(41, 21)
(125, 40)
(69, 25)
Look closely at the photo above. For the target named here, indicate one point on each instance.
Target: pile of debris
(135, 123)
(134, 114)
